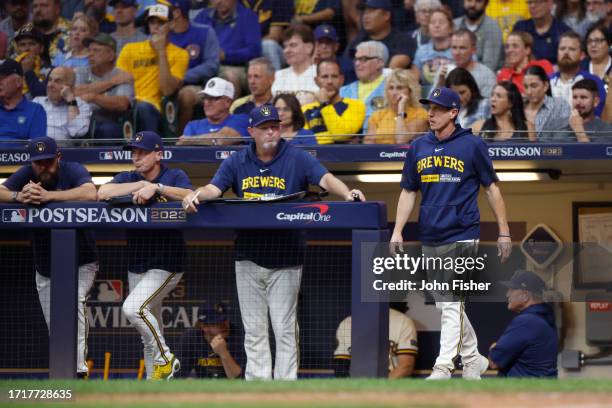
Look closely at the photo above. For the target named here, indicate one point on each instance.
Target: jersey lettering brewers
(449, 174)
(291, 171)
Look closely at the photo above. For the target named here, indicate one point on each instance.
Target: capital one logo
(306, 213)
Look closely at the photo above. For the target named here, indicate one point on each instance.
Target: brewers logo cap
(42, 148)
(444, 97)
(146, 140)
(263, 114)
(325, 31)
(212, 314)
(160, 11)
(525, 280)
(216, 87)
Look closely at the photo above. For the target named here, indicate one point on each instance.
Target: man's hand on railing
(190, 202)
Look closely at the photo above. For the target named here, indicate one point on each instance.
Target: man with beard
(207, 348)
(584, 126)
(269, 262)
(18, 14)
(568, 57)
(20, 119)
(488, 34)
(332, 118)
(68, 116)
(48, 179)
(47, 19)
(97, 10)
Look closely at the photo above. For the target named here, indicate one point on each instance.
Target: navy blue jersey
(528, 346)
(195, 354)
(449, 174)
(70, 175)
(156, 249)
(292, 170)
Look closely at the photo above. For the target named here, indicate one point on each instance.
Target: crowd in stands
(347, 71)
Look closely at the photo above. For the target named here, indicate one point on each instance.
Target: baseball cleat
(439, 374)
(166, 371)
(475, 369)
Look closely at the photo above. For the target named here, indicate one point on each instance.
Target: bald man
(68, 116)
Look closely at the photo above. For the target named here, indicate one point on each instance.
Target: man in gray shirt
(125, 17)
(463, 48)
(490, 38)
(584, 126)
(104, 87)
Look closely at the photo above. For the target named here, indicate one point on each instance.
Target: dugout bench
(367, 221)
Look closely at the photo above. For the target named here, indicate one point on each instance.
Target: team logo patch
(21, 120)
(377, 102)
(40, 147)
(139, 137)
(436, 92)
(211, 84)
(193, 50)
(266, 111)
(14, 215)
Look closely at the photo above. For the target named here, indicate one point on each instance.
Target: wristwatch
(14, 195)
(160, 188)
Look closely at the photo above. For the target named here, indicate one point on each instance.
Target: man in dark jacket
(528, 346)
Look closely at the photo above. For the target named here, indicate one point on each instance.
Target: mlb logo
(608, 150)
(14, 215)
(107, 290)
(106, 155)
(222, 155)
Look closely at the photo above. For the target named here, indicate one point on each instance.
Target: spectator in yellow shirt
(403, 118)
(157, 67)
(507, 13)
(333, 119)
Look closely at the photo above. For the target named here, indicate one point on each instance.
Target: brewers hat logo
(21, 120)
(326, 30)
(211, 84)
(266, 111)
(435, 93)
(40, 147)
(139, 137)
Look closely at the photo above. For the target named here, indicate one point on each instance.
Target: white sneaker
(476, 368)
(439, 374)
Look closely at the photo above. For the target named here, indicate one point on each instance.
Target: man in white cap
(157, 67)
(220, 127)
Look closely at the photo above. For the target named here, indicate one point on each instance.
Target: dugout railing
(367, 221)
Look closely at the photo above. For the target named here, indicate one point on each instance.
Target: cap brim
(425, 101)
(43, 156)
(508, 284)
(261, 122)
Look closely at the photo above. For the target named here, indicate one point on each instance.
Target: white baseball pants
(274, 291)
(87, 274)
(142, 308)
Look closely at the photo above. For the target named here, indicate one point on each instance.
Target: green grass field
(322, 393)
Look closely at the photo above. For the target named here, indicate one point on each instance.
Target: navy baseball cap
(146, 140)
(263, 114)
(325, 31)
(129, 3)
(376, 4)
(212, 314)
(9, 67)
(525, 280)
(42, 148)
(29, 31)
(444, 97)
(183, 5)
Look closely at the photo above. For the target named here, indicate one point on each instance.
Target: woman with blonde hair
(403, 118)
(81, 27)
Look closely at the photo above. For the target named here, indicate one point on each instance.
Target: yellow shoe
(166, 371)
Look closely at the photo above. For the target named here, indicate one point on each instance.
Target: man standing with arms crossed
(267, 281)
(448, 165)
(156, 257)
